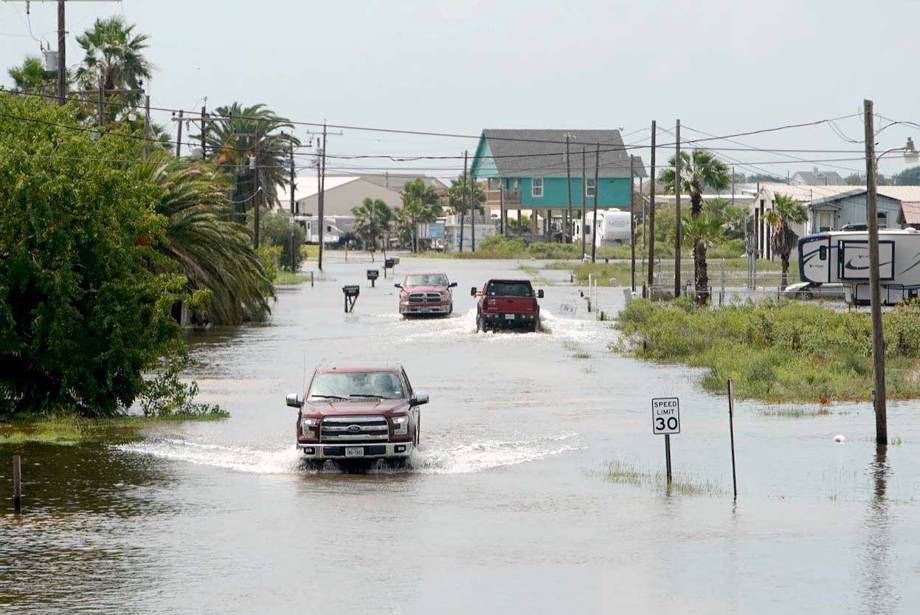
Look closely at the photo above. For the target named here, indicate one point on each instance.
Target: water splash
(432, 458)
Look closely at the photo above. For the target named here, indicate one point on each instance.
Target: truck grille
(425, 298)
(354, 429)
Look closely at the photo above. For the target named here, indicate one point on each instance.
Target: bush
(276, 229)
(778, 352)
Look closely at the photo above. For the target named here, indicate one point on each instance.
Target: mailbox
(373, 274)
(351, 293)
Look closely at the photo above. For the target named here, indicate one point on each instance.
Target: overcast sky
(459, 66)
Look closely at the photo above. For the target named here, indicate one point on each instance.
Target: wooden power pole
(256, 202)
(632, 225)
(293, 181)
(568, 175)
(584, 198)
(878, 340)
(469, 186)
(62, 55)
(463, 206)
(677, 221)
(597, 189)
(321, 200)
(651, 218)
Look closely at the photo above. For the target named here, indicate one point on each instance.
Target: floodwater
(507, 507)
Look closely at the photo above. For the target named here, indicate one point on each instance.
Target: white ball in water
(840, 438)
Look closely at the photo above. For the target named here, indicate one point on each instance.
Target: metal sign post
(666, 421)
(731, 431)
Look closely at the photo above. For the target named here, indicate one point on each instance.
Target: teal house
(527, 170)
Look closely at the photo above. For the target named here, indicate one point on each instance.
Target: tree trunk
(700, 269)
(784, 257)
(700, 273)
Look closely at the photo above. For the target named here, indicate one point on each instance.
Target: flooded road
(508, 505)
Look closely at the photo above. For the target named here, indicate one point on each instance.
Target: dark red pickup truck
(358, 415)
(507, 304)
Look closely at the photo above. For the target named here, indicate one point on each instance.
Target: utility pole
(677, 221)
(632, 225)
(321, 199)
(62, 55)
(584, 197)
(733, 185)
(146, 126)
(878, 340)
(463, 207)
(597, 189)
(204, 131)
(568, 177)
(503, 216)
(293, 203)
(101, 103)
(179, 136)
(651, 218)
(469, 186)
(256, 201)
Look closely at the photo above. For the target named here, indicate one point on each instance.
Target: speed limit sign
(665, 416)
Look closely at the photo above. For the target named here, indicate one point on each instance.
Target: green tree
(698, 170)
(114, 58)
(463, 193)
(82, 312)
(276, 231)
(786, 210)
(907, 177)
(233, 140)
(420, 204)
(202, 241)
(372, 223)
(31, 77)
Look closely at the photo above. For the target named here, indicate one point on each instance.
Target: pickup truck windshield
(509, 289)
(356, 385)
(435, 279)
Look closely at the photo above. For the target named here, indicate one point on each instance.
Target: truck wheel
(537, 327)
(480, 324)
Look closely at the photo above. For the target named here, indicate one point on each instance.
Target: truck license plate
(509, 316)
(354, 451)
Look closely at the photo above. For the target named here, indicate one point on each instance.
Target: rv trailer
(612, 227)
(843, 257)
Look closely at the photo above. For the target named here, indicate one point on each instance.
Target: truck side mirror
(473, 292)
(294, 400)
(451, 285)
(540, 294)
(419, 399)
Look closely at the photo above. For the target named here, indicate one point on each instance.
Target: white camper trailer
(612, 227)
(843, 257)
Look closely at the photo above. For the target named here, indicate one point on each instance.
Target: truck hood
(424, 289)
(349, 408)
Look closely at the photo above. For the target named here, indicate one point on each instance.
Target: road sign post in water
(666, 421)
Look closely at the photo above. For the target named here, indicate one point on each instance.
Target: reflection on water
(878, 593)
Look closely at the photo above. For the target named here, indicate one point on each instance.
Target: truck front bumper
(377, 450)
(422, 308)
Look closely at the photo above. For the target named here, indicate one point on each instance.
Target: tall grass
(788, 352)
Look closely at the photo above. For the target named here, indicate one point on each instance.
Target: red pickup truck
(425, 294)
(507, 304)
(358, 414)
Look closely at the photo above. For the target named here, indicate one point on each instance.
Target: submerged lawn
(787, 352)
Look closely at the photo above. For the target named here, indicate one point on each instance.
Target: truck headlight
(306, 424)
(400, 425)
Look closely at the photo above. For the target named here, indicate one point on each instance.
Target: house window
(824, 221)
(589, 187)
(536, 187)
(494, 183)
(882, 220)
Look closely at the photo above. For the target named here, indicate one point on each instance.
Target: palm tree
(32, 78)
(203, 242)
(698, 170)
(785, 210)
(114, 59)
(458, 199)
(372, 221)
(231, 142)
(420, 204)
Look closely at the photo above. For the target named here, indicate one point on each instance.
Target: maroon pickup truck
(507, 304)
(358, 414)
(425, 294)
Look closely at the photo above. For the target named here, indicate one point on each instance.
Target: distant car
(426, 294)
(507, 304)
(355, 414)
(814, 290)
